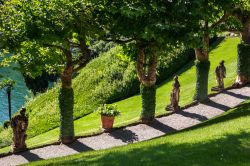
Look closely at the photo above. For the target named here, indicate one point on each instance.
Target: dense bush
(176, 58)
(108, 78)
(6, 124)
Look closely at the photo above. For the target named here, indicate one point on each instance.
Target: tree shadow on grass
(216, 44)
(124, 135)
(228, 149)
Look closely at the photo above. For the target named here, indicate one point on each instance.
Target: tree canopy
(48, 34)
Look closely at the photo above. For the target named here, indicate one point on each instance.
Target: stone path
(162, 126)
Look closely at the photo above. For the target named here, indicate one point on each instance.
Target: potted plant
(108, 113)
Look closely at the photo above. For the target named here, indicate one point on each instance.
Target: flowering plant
(108, 110)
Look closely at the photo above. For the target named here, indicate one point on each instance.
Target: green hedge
(243, 62)
(66, 104)
(202, 71)
(172, 62)
(148, 95)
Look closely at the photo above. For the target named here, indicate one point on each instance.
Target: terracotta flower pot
(107, 122)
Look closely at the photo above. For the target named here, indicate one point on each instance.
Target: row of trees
(55, 36)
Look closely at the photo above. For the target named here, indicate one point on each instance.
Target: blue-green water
(19, 93)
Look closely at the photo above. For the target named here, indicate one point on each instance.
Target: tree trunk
(66, 78)
(243, 73)
(86, 52)
(202, 70)
(9, 102)
(243, 63)
(245, 33)
(148, 94)
(66, 102)
(147, 76)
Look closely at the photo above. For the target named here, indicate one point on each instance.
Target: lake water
(19, 93)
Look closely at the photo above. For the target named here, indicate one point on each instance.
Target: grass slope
(221, 141)
(131, 107)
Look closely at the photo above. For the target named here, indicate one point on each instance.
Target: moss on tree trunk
(146, 72)
(243, 75)
(243, 63)
(148, 95)
(202, 68)
(66, 105)
(202, 71)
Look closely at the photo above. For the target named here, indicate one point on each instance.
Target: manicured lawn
(131, 107)
(222, 141)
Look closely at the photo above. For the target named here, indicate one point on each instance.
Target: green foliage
(150, 22)
(202, 72)
(39, 33)
(231, 24)
(243, 60)
(108, 110)
(66, 105)
(7, 83)
(99, 47)
(6, 135)
(34, 59)
(148, 95)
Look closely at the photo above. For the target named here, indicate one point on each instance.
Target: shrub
(5, 136)
(108, 110)
(171, 63)
(6, 124)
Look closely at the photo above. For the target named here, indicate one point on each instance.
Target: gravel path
(162, 126)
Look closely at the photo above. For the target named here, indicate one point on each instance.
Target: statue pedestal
(171, 108)
(217, 89)
(18, 149)
(19, 125)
